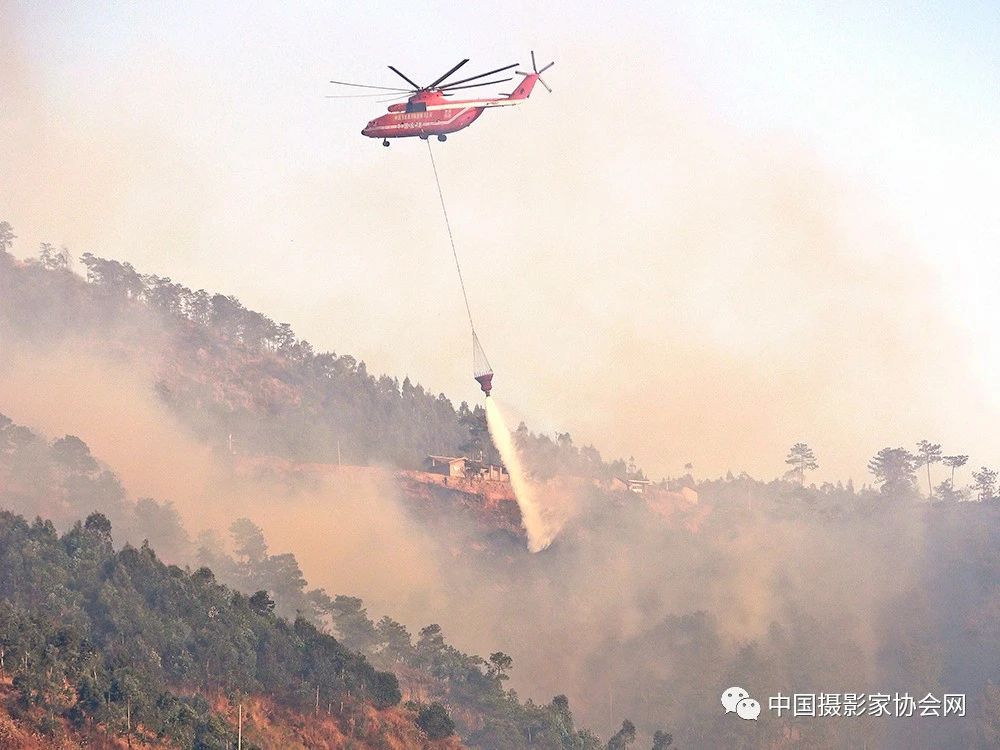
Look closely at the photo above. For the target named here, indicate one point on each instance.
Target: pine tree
(929, 453)
(954, 462)
(801, 458)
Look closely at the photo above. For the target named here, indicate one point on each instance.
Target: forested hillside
(224, 368)
(642, 610)
(227, 653)
(119, 640)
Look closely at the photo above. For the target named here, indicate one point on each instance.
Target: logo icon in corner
(748, 708)
(737, 700)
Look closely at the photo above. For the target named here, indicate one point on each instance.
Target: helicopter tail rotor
(536, 72)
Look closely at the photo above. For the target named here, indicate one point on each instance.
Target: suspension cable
(477, 348)
(451, 238)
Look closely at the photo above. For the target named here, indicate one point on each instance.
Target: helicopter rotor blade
(415, 85)
(533, 66)
(476, 85)
(394, 98)
(482, 75)
(366, 86)
(544, 84)
(357, 96)
(432, 85)
(546, 67)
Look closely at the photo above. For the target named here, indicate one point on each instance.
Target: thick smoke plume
(334, 519)
(758, 296)
(730, 295)
(662, 606)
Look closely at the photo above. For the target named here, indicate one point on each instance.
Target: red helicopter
(428, 110)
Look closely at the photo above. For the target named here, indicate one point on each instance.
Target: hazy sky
(727, 230)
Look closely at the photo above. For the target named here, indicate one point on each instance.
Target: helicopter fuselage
(431, 113)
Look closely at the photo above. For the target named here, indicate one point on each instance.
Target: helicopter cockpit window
(416, 107)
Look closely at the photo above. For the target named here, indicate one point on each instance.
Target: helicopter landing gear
(442, 138)
(386, 143)
(423, 136)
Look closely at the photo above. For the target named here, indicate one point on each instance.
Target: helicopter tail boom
(523, 91)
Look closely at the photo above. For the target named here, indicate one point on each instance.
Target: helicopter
(429, 112)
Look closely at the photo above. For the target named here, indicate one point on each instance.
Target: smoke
(702, 294)
(111, 405)
(607, 592)
(684, 292)
(334, 519)
(657, 615)
(540, 528)
(731, 293)
(351, 534)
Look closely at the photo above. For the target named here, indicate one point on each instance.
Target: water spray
(540, 533)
